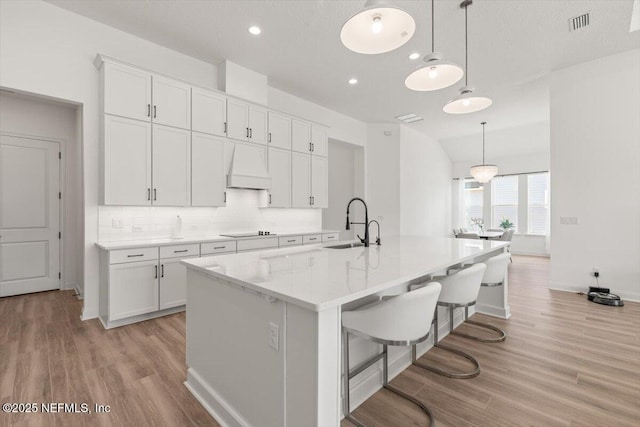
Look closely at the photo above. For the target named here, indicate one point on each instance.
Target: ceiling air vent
(579, 22)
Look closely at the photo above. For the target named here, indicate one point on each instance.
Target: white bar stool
(458, 290)
(401, 320)
(493, 276)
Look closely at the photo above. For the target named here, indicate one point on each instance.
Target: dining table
(490, 234)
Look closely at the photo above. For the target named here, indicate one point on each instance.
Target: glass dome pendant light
(380, 27)
(483, 173)
(436, 73)
(467, 101)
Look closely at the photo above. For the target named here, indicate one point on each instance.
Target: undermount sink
(345, 246)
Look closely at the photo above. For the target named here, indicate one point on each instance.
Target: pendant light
(483, 173)
(467, 101)
(380, 27)
(436, 73)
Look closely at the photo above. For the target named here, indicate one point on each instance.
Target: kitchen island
(264, 328)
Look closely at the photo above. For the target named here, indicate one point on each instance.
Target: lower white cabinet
(133, 289)
(173, 283)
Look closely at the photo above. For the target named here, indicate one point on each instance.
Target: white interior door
(29, 215)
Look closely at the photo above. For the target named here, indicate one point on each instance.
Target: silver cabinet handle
(269, 198)
(162, 274)
(269, 138)
(291, 241)
(250, 133)
(181, 251)
(133, 256)
(148, 110)
(148, 194)
(247, 132)
(155, 111)
(309, 146)
(312, 239)
(156, 271)
(225, 127)
(225, 197)
(219, 247)
(155, 194)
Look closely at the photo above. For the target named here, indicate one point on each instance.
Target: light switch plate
(274, 336)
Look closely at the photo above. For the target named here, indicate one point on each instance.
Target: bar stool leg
(455, 375)
(502, 334)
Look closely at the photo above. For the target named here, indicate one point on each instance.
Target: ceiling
(513, 45)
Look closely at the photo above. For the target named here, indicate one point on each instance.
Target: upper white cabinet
(139, 95)
(208, 112)
(319, 145)
(126, 92)
(280, 172)
(126, 162)
(300, 136)
(246, 122)
(279, 131)
(171, 103)
(171, 166)
(207, 170)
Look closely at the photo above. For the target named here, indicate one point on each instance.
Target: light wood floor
(566, 362)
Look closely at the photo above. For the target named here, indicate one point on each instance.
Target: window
(538, 203)
(504, 195)
(473, 196)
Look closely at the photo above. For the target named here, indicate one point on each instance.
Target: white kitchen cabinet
(237, 120)
(208, 112)
(309, 181)
(300, 180)
(319, 182)
(208, 181)
(126, 92)
(171, 103)
(126, 160)
(133, 289)
(171, 166)
(257, 124)
(246, 245)
(300, 136)
(173, 283)
(279, 131)
(319, 141)
(280, 173)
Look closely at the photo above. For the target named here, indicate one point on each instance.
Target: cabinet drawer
(312, 238)
(290, 241)
(179, 251)
(132, 255)
(252, 244)
(330, 237)
(217, 248)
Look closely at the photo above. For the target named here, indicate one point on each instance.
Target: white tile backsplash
(242, 214)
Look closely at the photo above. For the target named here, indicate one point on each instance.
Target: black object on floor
(602, 296)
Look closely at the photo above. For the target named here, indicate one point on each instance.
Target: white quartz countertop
(317, 278)
(142, 243)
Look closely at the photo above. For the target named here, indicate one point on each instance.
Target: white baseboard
(213, 402)
(574, 288)
(538, 254)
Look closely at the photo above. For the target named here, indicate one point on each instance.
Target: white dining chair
(401, 320)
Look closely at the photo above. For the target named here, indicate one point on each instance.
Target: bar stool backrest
(406, 317)
(496, 268)
(462, 287)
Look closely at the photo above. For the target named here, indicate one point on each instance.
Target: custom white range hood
(249, 168)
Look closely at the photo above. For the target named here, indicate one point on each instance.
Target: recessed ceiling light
(414, 55)
(353, 81)
(255, 30)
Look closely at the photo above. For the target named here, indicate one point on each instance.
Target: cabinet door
(207, 170)
(279, 131)
(300, 180)
(237, 120)
(319, 182)
(127, 92)
(127, 162)
(171, 166)
(173, 283)
(280, 172)
(300, 136)
(171, 103)
(257, 125)
(208, 112)
(319, 140)
(133, 289)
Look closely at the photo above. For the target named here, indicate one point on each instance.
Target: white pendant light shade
(484, 173)
(467, 102)
(435, 74)
(379, 28)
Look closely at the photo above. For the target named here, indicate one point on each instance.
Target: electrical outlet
(569, 220)
(274, 336)
(117, 223)
(138, 229)
(595, 272)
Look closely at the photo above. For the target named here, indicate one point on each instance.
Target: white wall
(382, 176)
(47, 50)
(425, 185)
(56, 121)
(595, 159)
